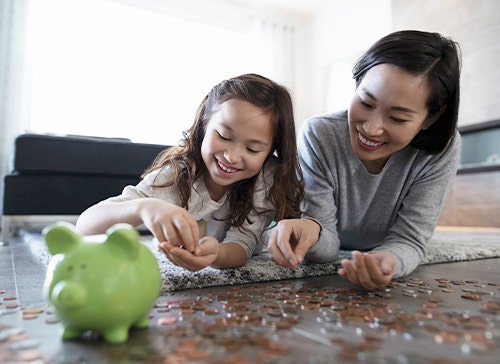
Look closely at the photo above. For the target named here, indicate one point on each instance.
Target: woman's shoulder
(323, 129)
(325, 122)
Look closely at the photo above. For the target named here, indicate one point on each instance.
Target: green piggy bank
(105, 285)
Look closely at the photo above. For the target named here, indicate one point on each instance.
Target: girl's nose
(232, 155)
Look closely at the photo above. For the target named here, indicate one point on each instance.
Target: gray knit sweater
(395, 210)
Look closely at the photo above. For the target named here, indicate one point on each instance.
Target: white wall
(475, 25)
(342, 30)
(336, 37)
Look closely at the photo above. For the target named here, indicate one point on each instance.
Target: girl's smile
(224, 168)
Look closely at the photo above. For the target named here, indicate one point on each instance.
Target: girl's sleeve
(251, 236)
(145, 189)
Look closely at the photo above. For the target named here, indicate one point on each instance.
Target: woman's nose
(373, 127)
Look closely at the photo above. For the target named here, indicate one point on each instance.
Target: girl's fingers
(186, 231)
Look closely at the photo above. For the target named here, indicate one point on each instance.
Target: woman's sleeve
(417, 218)
(316, 160)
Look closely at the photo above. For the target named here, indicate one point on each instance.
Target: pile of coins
(359, 325)
(411, 320)
(15, 343)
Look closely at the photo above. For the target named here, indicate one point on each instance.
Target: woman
(377, 175)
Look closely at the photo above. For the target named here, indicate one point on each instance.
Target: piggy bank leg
(116, 335)
(70, 333)
(142, 323)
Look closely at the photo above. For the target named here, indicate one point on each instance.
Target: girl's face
(238, 139)
(387, 111)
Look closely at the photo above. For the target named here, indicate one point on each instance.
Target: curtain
(13, 16)
(278, 37)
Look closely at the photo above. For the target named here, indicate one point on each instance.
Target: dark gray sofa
(57, 177)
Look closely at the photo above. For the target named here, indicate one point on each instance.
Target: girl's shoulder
(271, 164)
(266, 175)
(159, 176)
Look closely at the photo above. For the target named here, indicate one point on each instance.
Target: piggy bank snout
(68, 294)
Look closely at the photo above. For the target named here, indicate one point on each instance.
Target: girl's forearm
(231, 255)
(100, 217)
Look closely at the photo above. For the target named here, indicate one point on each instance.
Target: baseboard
(12, 224)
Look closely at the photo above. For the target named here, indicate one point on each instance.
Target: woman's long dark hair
(433, 56)
(186, 160)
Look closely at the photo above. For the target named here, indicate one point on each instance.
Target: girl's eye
(222, 137)
(252, 150)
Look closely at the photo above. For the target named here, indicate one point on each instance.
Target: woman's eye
(252, 150)
(365, 104)
(397, 120)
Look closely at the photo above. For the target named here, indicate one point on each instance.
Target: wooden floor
(443, 313)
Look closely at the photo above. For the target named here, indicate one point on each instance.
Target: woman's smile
(368, 144)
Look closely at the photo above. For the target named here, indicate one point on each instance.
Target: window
(480, 147)
(109, 69)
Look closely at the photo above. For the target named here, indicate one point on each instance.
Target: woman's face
(237, 141)
(387, 111)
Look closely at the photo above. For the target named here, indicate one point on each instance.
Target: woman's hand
(205, 254)
(291, 239)
(169, 223)
(370, 270)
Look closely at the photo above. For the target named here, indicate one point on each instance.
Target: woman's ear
(429, 121)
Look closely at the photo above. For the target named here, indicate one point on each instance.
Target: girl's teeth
(226, 169)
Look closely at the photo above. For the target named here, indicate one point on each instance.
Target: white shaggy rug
(444, 246)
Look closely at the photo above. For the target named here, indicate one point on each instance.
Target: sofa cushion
(74, 154)
(58, 194)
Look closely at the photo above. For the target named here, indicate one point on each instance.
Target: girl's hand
(205, 254)
(370, 270)
(291, 239)
(169, 223)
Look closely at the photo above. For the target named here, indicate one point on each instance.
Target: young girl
(377, 175)
(209, 199)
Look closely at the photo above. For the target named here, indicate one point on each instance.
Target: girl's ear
(430, 121)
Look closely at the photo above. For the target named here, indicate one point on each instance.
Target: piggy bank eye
(83, 266)
(70, 268)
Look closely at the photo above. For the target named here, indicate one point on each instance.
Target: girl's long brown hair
(187, 163)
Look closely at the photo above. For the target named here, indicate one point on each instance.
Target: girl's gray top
(394, 211)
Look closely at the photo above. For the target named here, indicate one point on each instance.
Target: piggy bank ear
(61, 237)
(124, 240)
